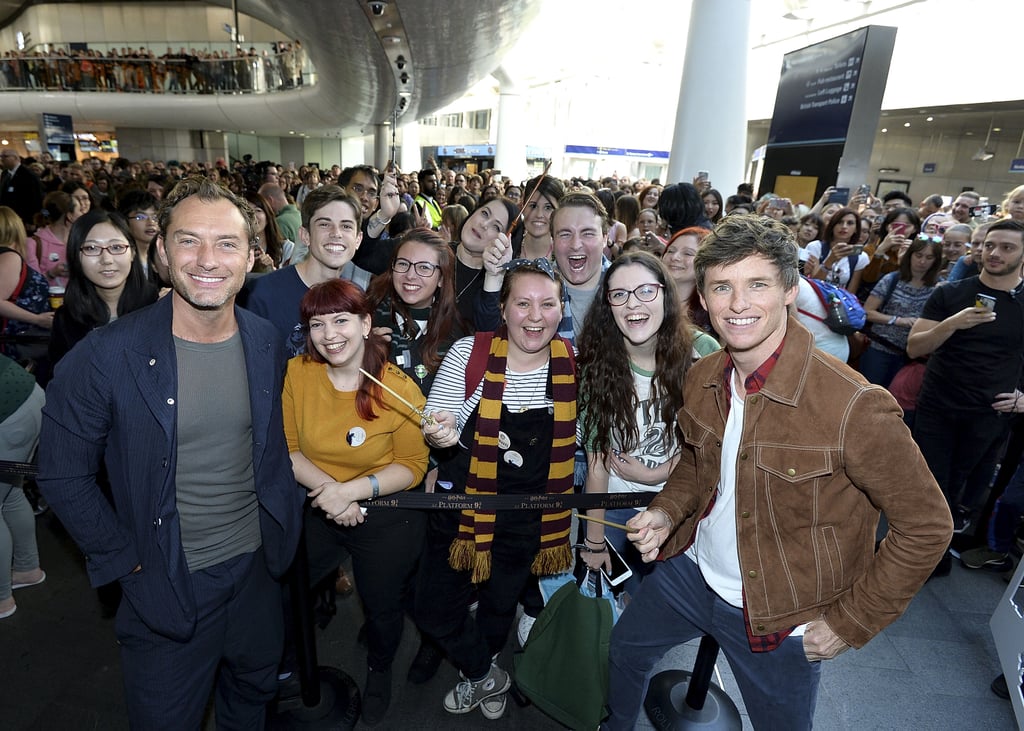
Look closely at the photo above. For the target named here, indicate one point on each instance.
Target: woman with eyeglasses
(635, 349)
(105, 280)
(414, 305)
(506, 402)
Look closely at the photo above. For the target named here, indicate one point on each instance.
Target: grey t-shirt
(216, 493)
(580, 301)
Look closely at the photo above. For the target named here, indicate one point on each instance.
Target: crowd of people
(451, 331)
(197, 71)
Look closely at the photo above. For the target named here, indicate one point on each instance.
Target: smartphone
(703, 175)
(985, 302)
(898, 228)
(983, 211)
(865, 189)
(619, 571)
(856, 250)
(777, 203)
(840, 195)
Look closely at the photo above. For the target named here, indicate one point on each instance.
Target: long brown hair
(341, 295)
(444, 314)
(607, 395)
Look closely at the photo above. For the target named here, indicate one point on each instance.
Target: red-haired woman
(350, 440)
(678, 257)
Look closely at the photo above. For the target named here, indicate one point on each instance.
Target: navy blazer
(113, 399)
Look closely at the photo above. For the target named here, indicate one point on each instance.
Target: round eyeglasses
(643, 293)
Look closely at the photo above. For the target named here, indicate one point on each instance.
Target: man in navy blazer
(181, 402)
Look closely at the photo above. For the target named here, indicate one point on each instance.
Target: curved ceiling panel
(447, 46)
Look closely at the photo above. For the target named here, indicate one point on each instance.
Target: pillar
(711, 121)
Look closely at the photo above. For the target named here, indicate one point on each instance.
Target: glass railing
(202, 72)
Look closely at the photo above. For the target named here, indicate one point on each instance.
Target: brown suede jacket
(822, 452)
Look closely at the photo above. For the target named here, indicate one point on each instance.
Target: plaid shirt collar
(756, 380)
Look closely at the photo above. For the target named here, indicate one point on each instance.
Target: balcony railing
(168, 74)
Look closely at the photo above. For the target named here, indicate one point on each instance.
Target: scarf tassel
(463, 556)
(552, 560)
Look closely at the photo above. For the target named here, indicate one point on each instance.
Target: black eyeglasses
(643, 293)
(96, 249)
(423, 268)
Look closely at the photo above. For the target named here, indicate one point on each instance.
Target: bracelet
(601, 542)
(892, 320)
(375, 484)
(587, 549)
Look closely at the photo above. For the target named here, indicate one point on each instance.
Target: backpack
(843, 312)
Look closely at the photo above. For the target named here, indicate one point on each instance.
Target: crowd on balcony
(278, 67)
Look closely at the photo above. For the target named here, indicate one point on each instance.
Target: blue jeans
(880, 367)
(1006, 514)
(673, 606)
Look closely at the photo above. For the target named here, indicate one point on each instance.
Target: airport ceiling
(446, 47)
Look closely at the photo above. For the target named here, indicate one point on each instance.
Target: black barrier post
(704, 706)
(329, 698)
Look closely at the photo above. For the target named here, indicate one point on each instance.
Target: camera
(377, 7)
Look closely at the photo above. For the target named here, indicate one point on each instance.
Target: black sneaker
(376, 697)
(425, 664)
(1000, 688)
(985, 558)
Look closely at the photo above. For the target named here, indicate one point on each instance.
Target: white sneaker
(468, 694)
(525, 626)
(493, 708)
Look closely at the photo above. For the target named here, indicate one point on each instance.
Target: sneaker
(376, 697)
(493, 708)
(469, 694)
(1000, 688)
(425, 664)
(985, 558)
(525, 627)
(961, 521)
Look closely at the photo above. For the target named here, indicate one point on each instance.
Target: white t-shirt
(714, 548)
(824, 339)
(652, 449)
(840, 272)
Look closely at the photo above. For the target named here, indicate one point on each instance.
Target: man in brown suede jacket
(768, 522)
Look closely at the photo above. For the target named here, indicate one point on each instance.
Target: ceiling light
(929, 119)
(884, 129)
(997, 129)
(906, 124)
(391, 39)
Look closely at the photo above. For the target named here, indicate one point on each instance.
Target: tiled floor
(929, 670)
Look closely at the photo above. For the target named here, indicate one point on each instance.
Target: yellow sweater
(322, 423)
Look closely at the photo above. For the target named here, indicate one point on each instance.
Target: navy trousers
(673, 606)
(236, 648)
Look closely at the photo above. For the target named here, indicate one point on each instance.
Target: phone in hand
(856, 250)
(839, 195)
(619, 571)
(703, 175)
(864, 190)
(985, 302)
(777, 203)
(898, 228)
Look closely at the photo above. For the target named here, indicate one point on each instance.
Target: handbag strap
(585, 576)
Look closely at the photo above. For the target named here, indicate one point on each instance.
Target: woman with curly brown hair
(635, 350)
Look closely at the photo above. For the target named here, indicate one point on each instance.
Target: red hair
(341, 295)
